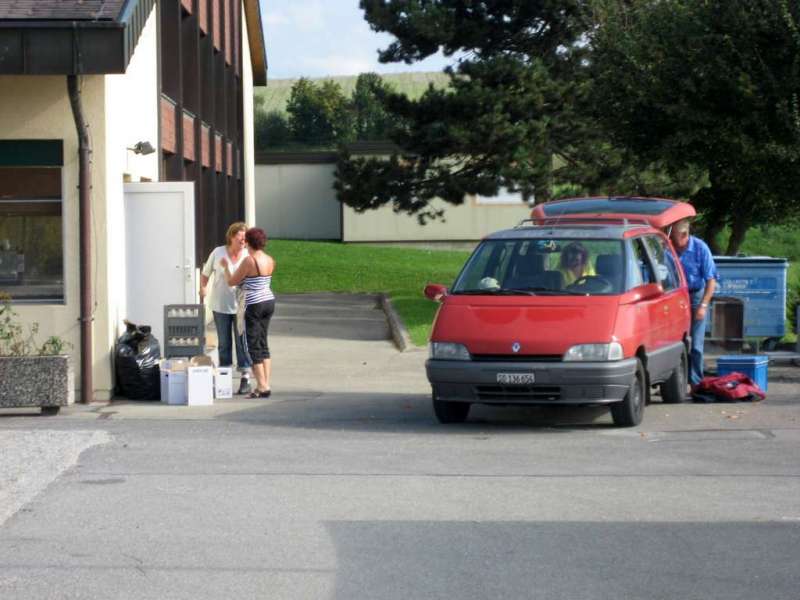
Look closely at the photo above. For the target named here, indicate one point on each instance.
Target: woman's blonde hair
(233, 230)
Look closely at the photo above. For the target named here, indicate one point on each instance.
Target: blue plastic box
(754, 366)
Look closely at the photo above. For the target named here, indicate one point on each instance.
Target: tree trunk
(711, 235)
(738, 233)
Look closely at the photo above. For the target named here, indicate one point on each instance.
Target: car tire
(450, 412)
(673, 390)
(630, 411)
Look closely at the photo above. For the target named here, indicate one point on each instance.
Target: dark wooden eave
(255, 33)
(37, 46)
(56, 41)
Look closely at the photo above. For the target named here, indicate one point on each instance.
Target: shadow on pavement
(507, 559)
(331, 316)
(394, 412)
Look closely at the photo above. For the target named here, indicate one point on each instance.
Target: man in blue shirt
(701, 277)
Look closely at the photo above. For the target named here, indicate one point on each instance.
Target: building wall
(248, 114)
(202, 119)
(468, 221)
(37, 107)
(120, 110)
(131, 116)
(297, 202)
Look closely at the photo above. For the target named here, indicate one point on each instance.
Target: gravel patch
(31, 460)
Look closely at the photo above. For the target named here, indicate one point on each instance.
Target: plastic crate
(184, 330)
(754, 366)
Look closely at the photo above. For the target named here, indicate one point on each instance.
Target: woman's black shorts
(256, 327)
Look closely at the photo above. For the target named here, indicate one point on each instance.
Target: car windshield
(552, 266)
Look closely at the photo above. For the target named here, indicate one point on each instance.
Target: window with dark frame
(31, 233)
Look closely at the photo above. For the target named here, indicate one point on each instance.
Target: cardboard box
(173, 387)
(173, 381)
(223, 382)
(200, 386)
(201, 360)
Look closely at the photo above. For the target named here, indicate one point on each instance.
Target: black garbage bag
(137, 355)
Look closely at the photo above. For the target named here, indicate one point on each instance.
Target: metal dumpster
(760, 283)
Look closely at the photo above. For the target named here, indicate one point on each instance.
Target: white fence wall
(297, 201)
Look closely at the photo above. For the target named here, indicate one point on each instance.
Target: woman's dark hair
(573, 248)
(256, 238)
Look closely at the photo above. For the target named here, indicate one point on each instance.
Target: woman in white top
(223, 301)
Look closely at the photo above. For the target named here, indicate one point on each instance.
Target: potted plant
(32, 374)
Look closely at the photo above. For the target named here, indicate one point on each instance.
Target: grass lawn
(403, 272)
(413, 85)
(400, 272)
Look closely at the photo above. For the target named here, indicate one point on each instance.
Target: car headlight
(595, 352)
(449, 351)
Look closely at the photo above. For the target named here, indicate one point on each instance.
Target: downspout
(85, 216)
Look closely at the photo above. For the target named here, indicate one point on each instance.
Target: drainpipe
(85, 215)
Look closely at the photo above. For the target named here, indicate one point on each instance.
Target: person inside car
(575, 263)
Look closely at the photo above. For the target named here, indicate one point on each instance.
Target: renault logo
(515, 347)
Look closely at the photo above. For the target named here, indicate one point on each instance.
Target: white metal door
(159, 240)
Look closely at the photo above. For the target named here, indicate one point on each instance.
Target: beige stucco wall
(468, 221)
(249, 139)
(37, 107)
(297, 202)
(120, 110)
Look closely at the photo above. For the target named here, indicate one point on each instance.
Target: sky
(317, 38)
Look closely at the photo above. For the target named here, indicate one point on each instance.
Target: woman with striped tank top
(254, 276)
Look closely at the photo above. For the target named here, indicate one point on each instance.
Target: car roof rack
(567, 220)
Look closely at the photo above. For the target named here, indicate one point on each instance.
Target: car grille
(518, 393)
(517, 358)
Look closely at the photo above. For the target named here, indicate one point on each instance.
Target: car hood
(541, 325)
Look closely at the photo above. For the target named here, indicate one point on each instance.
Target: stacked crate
(184, 330)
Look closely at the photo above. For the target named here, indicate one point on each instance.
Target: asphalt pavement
(342, 485)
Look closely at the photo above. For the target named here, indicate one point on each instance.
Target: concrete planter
(30, 381)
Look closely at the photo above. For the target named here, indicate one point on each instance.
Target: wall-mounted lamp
(142, 148)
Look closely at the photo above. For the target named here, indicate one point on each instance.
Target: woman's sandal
(259, 394)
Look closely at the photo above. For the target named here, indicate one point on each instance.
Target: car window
(560, 266)
(665, 268)
(490, 261)
(642, 271)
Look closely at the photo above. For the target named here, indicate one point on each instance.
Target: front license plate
(516, 378)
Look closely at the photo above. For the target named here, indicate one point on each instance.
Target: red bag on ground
(733, 387)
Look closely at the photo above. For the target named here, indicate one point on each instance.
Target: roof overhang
(72, 47)
(255, 33)
(94, 47)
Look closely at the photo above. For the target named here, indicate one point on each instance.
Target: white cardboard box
(223, 382)
(200, 386)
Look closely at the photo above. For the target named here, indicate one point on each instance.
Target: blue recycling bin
(759, 282)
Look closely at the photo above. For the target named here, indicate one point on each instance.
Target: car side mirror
(648, 291)
(435, 292)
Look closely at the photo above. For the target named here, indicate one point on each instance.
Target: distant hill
(413, 85)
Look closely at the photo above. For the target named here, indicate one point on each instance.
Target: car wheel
(450, 412)
(673, 390)
(50, 410)
(629, 412)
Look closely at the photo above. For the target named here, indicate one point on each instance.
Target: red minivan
(586, 303)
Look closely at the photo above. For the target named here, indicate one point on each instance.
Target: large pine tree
(518, 71)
